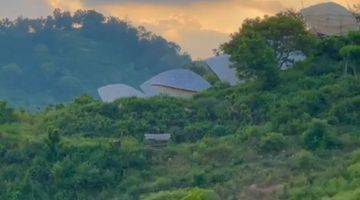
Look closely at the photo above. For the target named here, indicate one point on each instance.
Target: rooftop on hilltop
(329, 19)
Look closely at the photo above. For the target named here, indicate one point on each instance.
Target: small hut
(157, 140)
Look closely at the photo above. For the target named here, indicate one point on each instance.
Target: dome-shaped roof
(148, 90)
(113, 92)
(179, 79)
(220, 65)
(329, 19)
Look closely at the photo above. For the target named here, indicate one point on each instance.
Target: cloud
(153, 2)
(28, 8)
(197, 25)
(70, 5)
(189, 33)
(264, 5)
(268, 6)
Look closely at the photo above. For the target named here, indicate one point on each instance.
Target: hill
(283, 134)
(54, 59)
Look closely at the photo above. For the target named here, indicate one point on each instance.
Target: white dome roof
(179, 78)
(113, 92)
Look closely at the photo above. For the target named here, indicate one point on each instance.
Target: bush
(221, 130)
(272, 142)
(347, 111)
(348, 195)
(303, 160)
(201, 194)
(166, 195)
(318, 135)
(354, 170)
(7, 114)
(196, 131)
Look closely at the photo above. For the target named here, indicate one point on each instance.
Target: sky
(198, 26)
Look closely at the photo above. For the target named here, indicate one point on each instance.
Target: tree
(63, 20)
(351, 56)
(285, 33)
(253, 58)
(53, 141)
(90, 21)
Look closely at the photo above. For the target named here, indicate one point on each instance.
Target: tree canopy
(263, 45)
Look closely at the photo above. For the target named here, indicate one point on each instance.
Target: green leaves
(7, 114)
(319, 135)
(351, 52)
(272, 142)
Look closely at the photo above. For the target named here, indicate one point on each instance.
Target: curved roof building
(178, 83)
(329, 19)
(111, 93)
(220, 65)
(148, 89)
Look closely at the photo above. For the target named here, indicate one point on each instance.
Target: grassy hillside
(296, 139)
(52, 60)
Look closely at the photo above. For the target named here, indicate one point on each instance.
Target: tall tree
(253, 58)
(263, 44)
(285, 33)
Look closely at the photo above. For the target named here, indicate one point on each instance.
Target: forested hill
(53, 59)
(283, 134)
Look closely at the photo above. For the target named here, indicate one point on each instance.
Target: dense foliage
(265, 45)
(51, 60)
(298, 139)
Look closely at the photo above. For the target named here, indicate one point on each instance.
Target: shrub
(196, 131)
(347, 111)
(201, 194)
(221, 130)
(354, 170)
(303, 160)
(318, 135)
(348, 195)
(272, 142)
(166, 195)
(7, 114)
(252, 132)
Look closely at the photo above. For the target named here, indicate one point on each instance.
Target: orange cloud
(198, 26)
(70, 5)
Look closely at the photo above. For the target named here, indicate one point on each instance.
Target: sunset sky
(197, 25)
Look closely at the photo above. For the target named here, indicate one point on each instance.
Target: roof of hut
(329, 19)
(179, 79)
(158, 137)
(220, 65)
(110, 93)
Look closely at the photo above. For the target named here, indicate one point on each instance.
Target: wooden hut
(157, 140)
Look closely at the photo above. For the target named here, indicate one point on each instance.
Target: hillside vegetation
(284, 134)
(52, 60)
